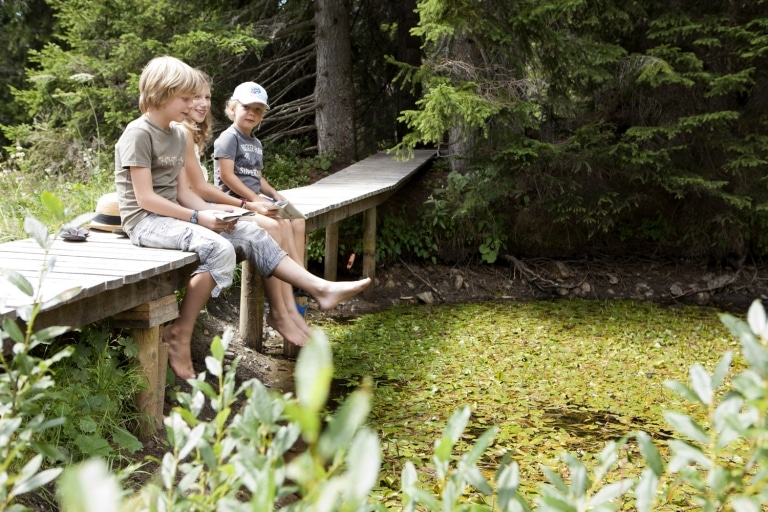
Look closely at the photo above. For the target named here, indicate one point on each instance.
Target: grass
(555, 376)
(21, 198)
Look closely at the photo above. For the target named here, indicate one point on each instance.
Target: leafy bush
(94, 393)
(240, 460)
(594, 120)
(82, 89)
(25, 380)
(285, 167)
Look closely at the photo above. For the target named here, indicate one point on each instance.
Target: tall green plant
(240, 460)
(26, 378)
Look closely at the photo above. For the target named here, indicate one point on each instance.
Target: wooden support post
(369, 250)
(162, 373)
(148, 400)
(251, 308)
(145, 322)
(331, 250)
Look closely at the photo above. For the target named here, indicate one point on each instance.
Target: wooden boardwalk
(111, 278)
(359, 188)
(136, 285)
(105, 265)
(356, 188)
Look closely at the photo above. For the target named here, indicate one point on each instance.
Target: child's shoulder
(229, 134)
(143, 124)
(229, 131)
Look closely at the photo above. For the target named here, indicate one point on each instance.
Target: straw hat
(107, 213)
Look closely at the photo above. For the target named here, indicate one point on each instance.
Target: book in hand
(285, 209)
(234, 215)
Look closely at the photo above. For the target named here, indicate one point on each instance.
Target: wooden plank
(369, 250)
(104, 262)
(85, 266)
(331, 251)
(251, 307)
(98, 250)
(148, 341)
(149, 314)
(374, 178)
(87, 309)
(162, 370)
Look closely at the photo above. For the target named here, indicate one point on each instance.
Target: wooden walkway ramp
(135, 285)
(359, 188)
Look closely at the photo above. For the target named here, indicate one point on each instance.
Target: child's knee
(298, 225)
(223, 254)
(275, 230)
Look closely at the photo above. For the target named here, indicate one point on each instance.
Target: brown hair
(164, 78)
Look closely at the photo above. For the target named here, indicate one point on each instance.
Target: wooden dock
(110, 277)
(136, 286)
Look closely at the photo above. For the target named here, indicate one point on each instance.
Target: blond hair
(229, 109)
(201, 132)
(164, 78)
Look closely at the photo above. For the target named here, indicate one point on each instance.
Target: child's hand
(261, 208)
(208, 219)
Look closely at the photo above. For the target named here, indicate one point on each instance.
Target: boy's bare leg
(289, 246)
(292, 308)
(285, 310)
(327, 293)
(178, 335)
(299, 231)
(279, 317)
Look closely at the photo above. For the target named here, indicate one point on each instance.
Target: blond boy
(157, 212)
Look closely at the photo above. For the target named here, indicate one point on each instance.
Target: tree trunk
(461, 138)
(334, 90)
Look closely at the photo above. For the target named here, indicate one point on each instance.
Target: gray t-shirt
(245, 151)
(144, 144)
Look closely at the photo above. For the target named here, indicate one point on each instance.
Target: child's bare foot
(290, 332)
(334, 292)
(179, 354)
(299, 320)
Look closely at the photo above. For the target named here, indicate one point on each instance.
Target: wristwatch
(193, 220)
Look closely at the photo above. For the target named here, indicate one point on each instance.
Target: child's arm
(187, 197)
(228, 176)
(149, 200)
(255, 202)
(269, 191)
